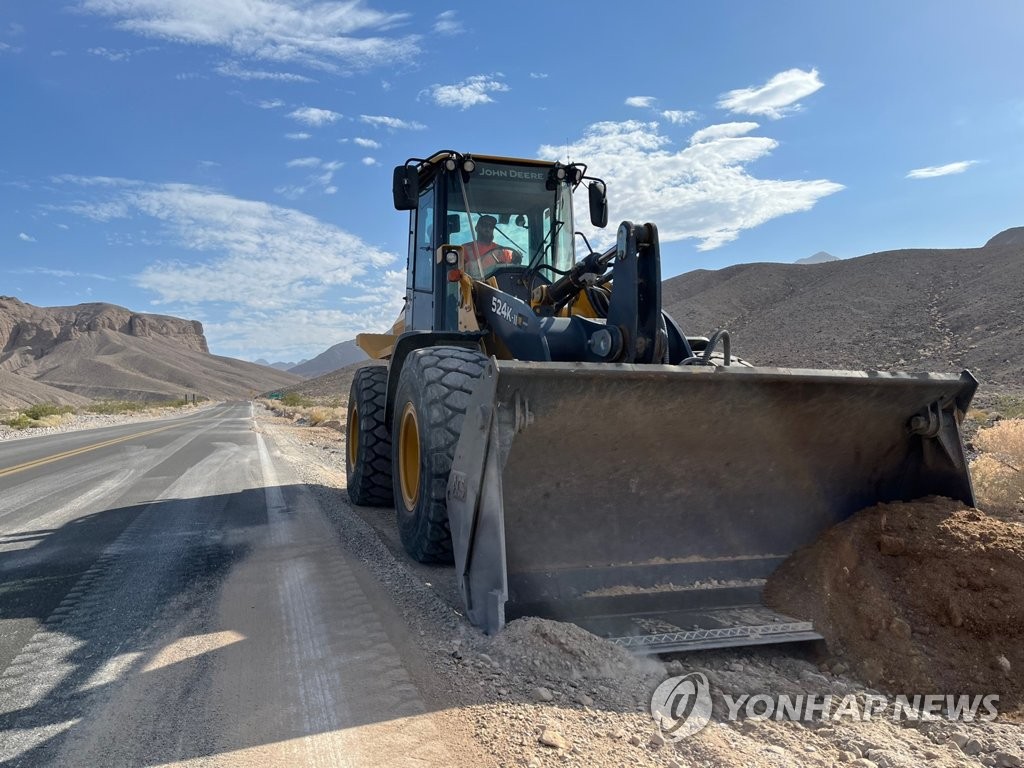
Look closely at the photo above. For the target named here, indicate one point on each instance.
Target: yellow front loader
(539, 421)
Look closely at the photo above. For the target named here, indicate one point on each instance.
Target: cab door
(420, 285)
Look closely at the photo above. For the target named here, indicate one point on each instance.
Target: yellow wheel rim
(409, 457)
(353, 436)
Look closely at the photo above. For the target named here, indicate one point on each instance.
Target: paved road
(169, 594)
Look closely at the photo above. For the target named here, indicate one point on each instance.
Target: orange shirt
(485, 256)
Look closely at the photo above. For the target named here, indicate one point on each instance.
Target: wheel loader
(537, 419)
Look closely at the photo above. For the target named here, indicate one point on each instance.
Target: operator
(483, 254)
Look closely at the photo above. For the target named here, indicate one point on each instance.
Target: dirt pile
(561, 654)
(917, 597)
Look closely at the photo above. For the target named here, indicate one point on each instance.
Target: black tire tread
(439, 381)
(369, 479)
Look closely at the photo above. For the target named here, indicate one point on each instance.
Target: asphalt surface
(171, 594)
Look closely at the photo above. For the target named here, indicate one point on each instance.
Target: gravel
(550, 694)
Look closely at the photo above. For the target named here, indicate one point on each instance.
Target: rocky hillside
(69, 355)
(937, 310)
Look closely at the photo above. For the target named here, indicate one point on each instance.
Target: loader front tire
(368, 448)
(433, 392)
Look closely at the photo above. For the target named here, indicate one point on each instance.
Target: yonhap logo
(681, 706)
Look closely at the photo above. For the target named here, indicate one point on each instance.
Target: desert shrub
(977, 415)
(115, 406)
(294, 400)
(1010, 406)
(41, 410)
(998, 473)
(17, 421)
(321, 414)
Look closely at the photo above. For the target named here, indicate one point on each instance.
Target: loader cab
(530, 203)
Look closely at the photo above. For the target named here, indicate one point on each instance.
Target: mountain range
(72, 355)
(938, 310)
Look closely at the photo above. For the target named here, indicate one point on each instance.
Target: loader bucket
(649, 503)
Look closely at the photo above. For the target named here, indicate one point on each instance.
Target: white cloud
(26, 238)
(233, 69)
(447, 23)
(640, 101)
(110, 55)
(270, 104)
(391, 123)
(468, 93)
(58, 52)
(246, 253)
(538, 75)
(367, 143)
(329, 35)
(369, 161)
(314, 116)
(940, 170)
(298, 136)
(323, 177)
(722, 131)
(776, 98)
(679, 116)
(702, 191)
(60, 273)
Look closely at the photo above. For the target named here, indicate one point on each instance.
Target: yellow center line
(76, 451)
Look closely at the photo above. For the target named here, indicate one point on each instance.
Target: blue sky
(230, 160)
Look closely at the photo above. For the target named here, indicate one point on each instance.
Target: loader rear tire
(368, 448)
(433, 392)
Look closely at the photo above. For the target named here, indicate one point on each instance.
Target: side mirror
(405, 188)
(453, 223)
(598, 204)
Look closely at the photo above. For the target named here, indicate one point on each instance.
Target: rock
(674, 667)
(552, 738)
(960, 739)
(332, 424)
(863, 762)
(673, 764)
(656, 741)
(585, 700)
(617, 734)
(900, 628)
(1003, 663)
(973, 747)
(840, 669)
(956, 617)
(813, 678)
(776, 749)
(540, 693)
(634, 740)
(891, 545)
(1006, 760)
(486, 659)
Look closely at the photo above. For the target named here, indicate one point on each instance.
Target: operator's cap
(487, 219)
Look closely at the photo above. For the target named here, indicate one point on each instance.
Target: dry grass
(313, 415)
(998, 474)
